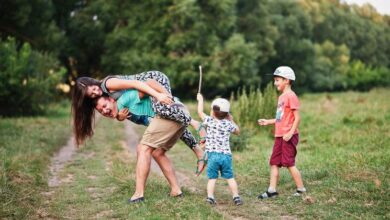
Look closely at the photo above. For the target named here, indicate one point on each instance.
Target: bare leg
(144, 156)
(210, 187)
(274, 176)
(233, 187)
(296, 175)
(166, 167)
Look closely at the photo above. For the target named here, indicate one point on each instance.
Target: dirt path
(58, 162)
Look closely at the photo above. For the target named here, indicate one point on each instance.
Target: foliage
(28, 79)
(236, 41)
(251, 104)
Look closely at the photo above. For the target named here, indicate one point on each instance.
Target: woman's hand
(122, 114)
(165, 98)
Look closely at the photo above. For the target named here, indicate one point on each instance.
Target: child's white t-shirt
(218, 134)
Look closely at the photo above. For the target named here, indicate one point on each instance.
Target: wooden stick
(200, 79)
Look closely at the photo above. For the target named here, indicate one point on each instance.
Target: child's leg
(296, 175)
(211, 187)
(233, 187)
(274, 177)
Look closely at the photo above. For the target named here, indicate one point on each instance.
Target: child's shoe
(211, 201)
(267, 195)
(237, 201)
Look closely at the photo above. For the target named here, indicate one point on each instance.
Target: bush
(240, 142)
(28, 79)
(250, 105)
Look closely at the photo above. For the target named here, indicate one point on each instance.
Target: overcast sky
(382, 6)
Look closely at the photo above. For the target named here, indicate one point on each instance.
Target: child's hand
(229, 117)
(262, 122)
(287, 136)
(199, 97)
(122, 114)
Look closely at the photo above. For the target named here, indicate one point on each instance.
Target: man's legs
(166, 167)
(144, 156)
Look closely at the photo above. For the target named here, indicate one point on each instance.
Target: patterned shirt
(218, 134)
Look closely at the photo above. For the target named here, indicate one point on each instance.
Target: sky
(382, 6)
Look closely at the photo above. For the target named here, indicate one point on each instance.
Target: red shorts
(283, 153)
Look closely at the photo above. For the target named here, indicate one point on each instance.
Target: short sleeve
(103, 85)
(231, 127)
(207, 119)
(293, 101)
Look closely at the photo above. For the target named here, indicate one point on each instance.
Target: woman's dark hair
(83, 109)
(218, 114)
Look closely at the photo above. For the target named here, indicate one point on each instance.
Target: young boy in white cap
(219, 126)
(286, 132)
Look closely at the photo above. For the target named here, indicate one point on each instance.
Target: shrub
(28, 79)
(248, 105)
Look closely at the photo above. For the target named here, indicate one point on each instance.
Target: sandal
(267, 195)
(137, 200)
(211, 201)
(237, 200)
(201, 138)
(204, 160)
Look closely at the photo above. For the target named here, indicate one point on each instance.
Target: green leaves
(28, 79)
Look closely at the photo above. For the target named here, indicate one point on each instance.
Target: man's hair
(218, 114)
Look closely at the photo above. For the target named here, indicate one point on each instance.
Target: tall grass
(248, 105)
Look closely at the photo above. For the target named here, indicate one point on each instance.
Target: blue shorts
(219, 162)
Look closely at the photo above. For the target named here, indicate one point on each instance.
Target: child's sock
(302, 189)
(271, 190)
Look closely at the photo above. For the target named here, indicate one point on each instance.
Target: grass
(343, 156)
(26, 144)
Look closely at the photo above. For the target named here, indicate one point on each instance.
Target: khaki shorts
(162, 133)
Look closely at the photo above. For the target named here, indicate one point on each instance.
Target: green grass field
(343, 155)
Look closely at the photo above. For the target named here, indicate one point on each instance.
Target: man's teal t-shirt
(130, 99)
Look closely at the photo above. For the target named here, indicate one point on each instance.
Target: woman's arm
(115, 84)
(157, 86)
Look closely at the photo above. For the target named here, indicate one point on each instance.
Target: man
(158, 138)
(160, 135)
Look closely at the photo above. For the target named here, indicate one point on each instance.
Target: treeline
(331, 46)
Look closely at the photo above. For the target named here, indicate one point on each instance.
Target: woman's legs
(172, 112)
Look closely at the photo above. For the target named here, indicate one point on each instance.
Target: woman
(152, 83)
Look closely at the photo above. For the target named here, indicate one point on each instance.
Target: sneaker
(267, 195)
(237, 201)
(211, 201)
(299, 193)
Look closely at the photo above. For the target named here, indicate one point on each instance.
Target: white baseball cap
(223, 104)
(285, 72)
